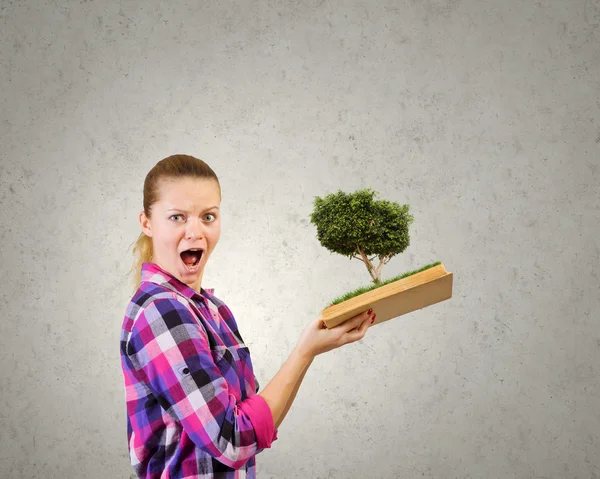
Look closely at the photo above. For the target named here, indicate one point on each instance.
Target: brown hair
(170, 168)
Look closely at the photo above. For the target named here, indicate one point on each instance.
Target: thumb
(321, 323)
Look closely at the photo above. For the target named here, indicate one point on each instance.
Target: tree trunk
(374, 272)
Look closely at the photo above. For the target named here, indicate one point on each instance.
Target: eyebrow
(184, 211)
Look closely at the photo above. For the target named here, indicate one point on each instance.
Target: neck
(198, 283)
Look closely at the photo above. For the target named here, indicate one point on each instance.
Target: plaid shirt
(192, 405)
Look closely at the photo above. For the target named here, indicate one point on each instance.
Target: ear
(145, 224)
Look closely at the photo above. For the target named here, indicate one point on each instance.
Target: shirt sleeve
(169, 347)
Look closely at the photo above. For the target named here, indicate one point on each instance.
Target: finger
(365, 325)
(356, 321)
(359, 321)
(357, 333)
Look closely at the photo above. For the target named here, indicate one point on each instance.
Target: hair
(171, 168)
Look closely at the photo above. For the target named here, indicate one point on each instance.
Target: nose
(194, 230)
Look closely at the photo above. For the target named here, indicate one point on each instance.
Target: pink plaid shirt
(192, 405)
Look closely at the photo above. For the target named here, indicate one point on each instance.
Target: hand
(317, 339)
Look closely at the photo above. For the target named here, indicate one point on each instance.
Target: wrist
(305, 357)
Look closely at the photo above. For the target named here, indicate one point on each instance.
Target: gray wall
(483, 116)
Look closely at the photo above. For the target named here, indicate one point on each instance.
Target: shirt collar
(153, 273)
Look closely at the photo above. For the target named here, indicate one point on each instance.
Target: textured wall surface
(483, 116)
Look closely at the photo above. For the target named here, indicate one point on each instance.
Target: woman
(193, 407)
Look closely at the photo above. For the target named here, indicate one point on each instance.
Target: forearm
(280, 392)
(292, 397)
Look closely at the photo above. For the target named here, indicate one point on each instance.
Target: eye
(210, 214)
(174, 216)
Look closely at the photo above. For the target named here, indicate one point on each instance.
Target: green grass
(371, 287)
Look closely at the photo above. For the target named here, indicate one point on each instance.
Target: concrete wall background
(483, 116)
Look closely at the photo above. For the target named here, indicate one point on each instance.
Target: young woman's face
(185, 217)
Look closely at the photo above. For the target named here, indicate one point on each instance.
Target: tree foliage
(357, 226)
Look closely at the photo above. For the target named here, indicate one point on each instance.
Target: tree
(355, 225)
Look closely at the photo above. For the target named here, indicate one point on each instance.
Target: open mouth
(191, 257)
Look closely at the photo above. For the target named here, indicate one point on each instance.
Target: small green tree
(355, 225)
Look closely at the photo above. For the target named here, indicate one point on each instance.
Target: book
(394, 299)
